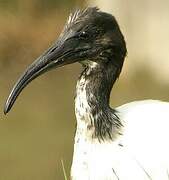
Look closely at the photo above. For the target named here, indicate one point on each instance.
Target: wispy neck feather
(92, 102)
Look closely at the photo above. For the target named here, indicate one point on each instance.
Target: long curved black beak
(56, 56)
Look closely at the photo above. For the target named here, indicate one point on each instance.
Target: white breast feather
(141, 153)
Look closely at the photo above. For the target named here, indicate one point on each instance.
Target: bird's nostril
(53, 49)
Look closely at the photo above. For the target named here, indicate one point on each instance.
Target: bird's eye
(84, 35)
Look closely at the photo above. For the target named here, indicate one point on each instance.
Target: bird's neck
(95, 118)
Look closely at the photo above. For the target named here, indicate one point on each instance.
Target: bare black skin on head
(89, 36)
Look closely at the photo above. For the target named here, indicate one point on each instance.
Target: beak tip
(6, 108)
(5, 113)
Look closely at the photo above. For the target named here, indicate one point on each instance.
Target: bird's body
(126, 143)
(140, 152)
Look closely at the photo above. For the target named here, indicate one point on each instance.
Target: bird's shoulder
(145, 122)
(146, 107)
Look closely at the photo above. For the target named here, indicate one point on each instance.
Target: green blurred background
(38, 133)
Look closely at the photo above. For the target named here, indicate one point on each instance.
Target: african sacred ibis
(130, 142)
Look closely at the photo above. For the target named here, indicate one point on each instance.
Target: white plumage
(140, 153)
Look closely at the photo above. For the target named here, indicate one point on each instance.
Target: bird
(128, 142)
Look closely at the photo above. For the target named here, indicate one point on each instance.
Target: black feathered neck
(94, 88)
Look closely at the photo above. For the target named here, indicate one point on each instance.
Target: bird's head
(88, 36)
